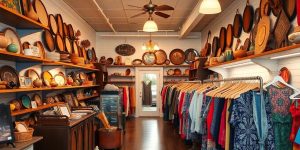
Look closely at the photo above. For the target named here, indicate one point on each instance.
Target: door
(149, 82)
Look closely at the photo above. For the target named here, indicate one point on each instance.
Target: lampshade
(210, 7)
(150, 26)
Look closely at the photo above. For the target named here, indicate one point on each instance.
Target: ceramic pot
(31, 12)
(228, 55)
(53, 83)
(37, 83)
(3, 41)
(13, 48)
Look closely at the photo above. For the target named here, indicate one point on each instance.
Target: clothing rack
(258, 78)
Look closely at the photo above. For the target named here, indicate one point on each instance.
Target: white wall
(69, 16)
(227, 17)
(106, 45)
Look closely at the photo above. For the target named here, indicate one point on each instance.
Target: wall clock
(149, 58)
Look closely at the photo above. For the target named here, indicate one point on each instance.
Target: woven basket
(24, 136)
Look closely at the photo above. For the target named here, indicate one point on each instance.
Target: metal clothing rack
(258, 78)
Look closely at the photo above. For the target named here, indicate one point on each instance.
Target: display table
(22, 145)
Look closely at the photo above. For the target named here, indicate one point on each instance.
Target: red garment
(209, 119)
(222, 131)
(180, 112)
(125, 100)
(163, 97)
(295, 111)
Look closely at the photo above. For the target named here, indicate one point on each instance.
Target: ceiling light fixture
(150, 46)
(210, 7)
(150, 26)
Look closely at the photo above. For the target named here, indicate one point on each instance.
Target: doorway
(149, 83)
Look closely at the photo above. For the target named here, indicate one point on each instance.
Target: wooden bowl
(239, 54)
(77, 60)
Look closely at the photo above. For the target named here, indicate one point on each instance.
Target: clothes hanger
(279, 79)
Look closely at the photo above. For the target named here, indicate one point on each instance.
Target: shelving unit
(166, 66)
(267, 60)
(88, 97)
(18, 20)
(25, 111)
(3, 91)
(177, 76)
(114, 76)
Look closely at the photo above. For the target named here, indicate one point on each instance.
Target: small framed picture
(33, 104)
(25, 82)
(64, 110)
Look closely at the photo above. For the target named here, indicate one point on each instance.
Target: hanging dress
(147, 93)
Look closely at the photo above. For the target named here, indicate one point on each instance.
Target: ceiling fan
(151, 8)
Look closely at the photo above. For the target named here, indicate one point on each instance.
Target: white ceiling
(119, 14)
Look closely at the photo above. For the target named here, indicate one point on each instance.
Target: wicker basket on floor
(24, 136)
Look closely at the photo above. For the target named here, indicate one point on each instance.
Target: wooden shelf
(25, 111)
(17, 20)
(88, 97)
(44, 89)
(165, 66)
(22, 145)
(4, 55)
(114, 76)
(180, 76)
(67, 65)
(269, 54)
(121, 82)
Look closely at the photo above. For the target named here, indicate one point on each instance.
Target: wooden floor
(151, 134)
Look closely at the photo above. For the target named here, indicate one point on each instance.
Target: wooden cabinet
(78, 135)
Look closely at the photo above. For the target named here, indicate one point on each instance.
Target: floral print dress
(242, 122)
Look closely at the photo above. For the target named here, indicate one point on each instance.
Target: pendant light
(150, 26)
(210, 7)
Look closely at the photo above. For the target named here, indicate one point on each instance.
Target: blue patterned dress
(245, 131)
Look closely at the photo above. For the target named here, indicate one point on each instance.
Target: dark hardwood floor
(151, 134)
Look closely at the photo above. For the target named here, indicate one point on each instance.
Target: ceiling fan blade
(162, 14)
(140, 14)
(135, 6)
(163, 8)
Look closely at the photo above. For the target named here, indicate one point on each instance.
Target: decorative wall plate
(161, 57)
(177, 56)
(31, 73)
(53, 24)
(125, 50)
(41, 12)
(60, 45)
(285, 74)
(215, 46)
(149, 58)
(49, 41)
(137, 62)
(237, 24)
(177, 72)
(68, 45)
(26, 102)
(75, 48)
(190, 55)
(170, 72)
(248, 17)
(10, 75)
(60, 79)
(60, 24)
(37, 98)
(13, 37)
(110, 61)
(229, 36)
(71, 32)
(90, 54)
(222, 37)
(47, 76)
(66, 30)
(17, 104)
